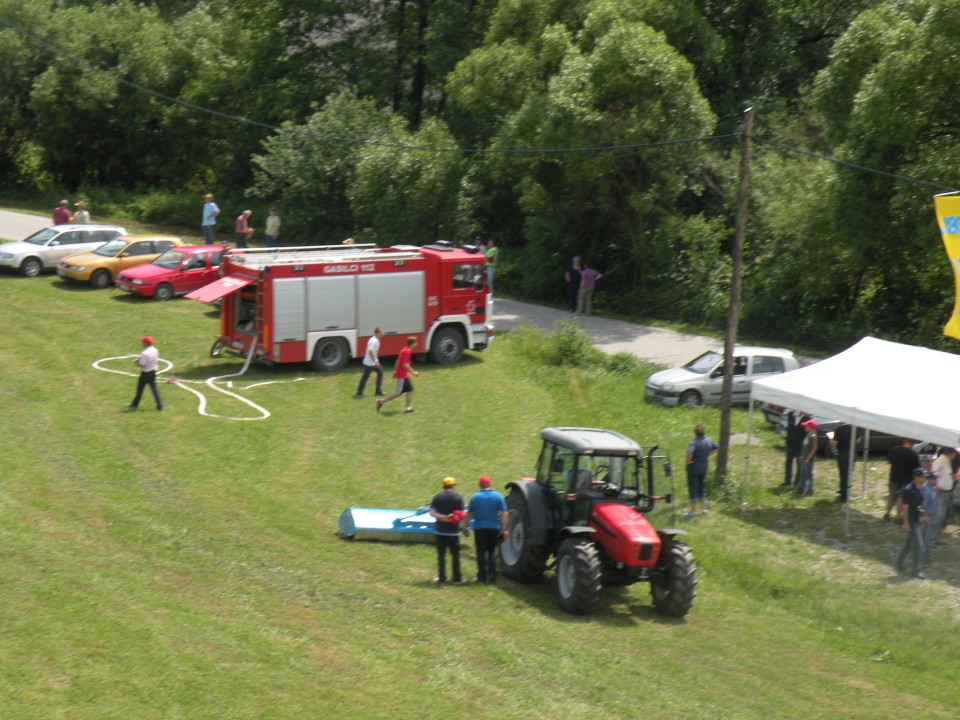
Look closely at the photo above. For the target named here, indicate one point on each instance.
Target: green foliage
(401, 195)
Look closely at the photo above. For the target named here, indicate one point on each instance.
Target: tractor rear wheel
(674, 580)
(578, 575)
(520, 558)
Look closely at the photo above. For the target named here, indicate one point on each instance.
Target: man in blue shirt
(698, 459)
(489, 511)
(208, 221)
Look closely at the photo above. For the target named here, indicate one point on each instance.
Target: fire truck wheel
(578, 575)
(163, 292)
(447, 346)
(329, 354)
(674, 580)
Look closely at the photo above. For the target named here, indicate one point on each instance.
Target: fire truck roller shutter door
(331, 303)
(289, 310)
(393, 301)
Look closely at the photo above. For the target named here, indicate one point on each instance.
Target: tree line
(601, 128)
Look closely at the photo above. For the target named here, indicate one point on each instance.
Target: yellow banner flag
(947, 207)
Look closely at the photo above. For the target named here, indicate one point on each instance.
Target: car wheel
(691, 398)
(163, 292)
(31, 267)
(100, 279)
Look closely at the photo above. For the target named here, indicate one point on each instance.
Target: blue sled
(387, 525)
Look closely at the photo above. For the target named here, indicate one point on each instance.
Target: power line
(855, 166)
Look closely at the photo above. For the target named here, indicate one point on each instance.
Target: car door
(66, 243)
(713, 388)
(763, 366)
(136, 253)
(195, 273)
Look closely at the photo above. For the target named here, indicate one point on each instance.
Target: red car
(178, 271)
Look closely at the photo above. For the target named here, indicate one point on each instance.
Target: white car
(700, 381)
(46, 248)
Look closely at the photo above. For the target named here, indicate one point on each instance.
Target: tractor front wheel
(578, 576)
(520, 558)
(674, 580)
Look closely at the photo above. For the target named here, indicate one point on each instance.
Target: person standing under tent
(911, 509)
(808, 454)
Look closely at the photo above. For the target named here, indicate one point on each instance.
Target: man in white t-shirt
(371, 363)
(943, 469)
(147, 360)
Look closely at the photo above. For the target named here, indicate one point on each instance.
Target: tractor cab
(584, 466)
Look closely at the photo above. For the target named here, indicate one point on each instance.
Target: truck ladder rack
(311, 254)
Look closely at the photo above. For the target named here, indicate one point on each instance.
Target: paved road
(665, 347)
(653, 344)
(17, 226)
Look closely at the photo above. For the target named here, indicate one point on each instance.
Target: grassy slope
(175, 566)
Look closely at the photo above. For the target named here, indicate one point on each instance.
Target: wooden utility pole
(733, 318)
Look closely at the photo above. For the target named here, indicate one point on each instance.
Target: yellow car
(100, 267)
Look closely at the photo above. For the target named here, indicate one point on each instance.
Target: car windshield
(111, 248)
(42, 237)
(705, 363)
(171, 259)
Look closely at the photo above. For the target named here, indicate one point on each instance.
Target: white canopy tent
(876, 384)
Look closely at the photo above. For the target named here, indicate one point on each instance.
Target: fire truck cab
(321, 304)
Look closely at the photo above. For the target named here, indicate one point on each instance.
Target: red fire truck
(321, 304)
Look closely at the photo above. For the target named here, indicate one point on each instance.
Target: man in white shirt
(147, 360)
(943, 469)
(371, 363)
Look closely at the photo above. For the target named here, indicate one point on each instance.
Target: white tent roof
(880, 385)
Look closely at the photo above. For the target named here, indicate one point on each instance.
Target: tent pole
(866, 452)
(850, 459)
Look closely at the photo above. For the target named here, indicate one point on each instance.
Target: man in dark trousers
(795, 435)
(914, 519)
(841, 442)
(147, 360)
(489, 512)
(447, 508)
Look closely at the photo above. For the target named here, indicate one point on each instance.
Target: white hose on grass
(165, 366)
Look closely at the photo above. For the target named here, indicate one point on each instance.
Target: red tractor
(587, 508)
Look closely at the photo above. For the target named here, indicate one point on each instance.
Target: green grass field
(169, 565)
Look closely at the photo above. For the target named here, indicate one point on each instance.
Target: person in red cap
(147, 361)
(489, 512)
(808, 453)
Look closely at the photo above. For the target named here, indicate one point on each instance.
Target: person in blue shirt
(698, 459)
(489, 512)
